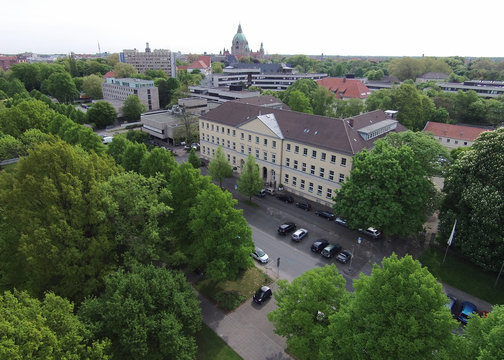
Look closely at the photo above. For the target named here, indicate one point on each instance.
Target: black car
(286, 228)
(326, 215)
(285, 198)
(344, 256)
(263, 294)
(330, 250)
(318, 245)
(304, 206)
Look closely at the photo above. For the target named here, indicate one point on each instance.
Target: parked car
(260, 256)
(325, 214)
(319, 245)
(452, 303)
(202, 163)
(468, 308)
(286, 228)
(261, 193)
(195, 146)
(270, 191)
(372, 232)
(299, 235)
(330, 250)
(304, 206)
(344, 256)
(285, 198)
(341, 222)
(263, 294)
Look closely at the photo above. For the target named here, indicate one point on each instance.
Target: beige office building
(157, 59)
(309, 155)
(119, 89)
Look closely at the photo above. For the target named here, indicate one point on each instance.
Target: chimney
(350, 122)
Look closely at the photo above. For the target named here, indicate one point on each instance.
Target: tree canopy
(250, 181)
(218, 168)
(101, 114)
(132, 108)
(474, 189)
(61, 86)
(92, 86)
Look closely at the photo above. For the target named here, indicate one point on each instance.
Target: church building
(240, 46)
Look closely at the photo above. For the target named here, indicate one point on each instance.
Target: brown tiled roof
(109, 74)
(460, 132)
(320, 131)
(345, 88)
(263, 101)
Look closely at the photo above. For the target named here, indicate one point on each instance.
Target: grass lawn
(212, 347)
(245, 286)
(464, 275)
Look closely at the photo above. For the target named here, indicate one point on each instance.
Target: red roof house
(454, 136)
(345, 88)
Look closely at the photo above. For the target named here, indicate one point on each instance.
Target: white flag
(450, 239)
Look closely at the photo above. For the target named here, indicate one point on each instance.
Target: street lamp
(359, 240)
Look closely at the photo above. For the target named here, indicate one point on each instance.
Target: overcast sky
(312, 27)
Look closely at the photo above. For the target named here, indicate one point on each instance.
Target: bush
(229, 300)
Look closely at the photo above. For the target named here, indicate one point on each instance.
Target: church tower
(239, 46)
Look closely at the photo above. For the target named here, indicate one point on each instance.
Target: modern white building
(120, 89)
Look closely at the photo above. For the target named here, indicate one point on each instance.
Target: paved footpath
(250, 342)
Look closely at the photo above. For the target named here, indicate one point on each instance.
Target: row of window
(302, 186)
(312, 170)
(227, 143)
(455, 141)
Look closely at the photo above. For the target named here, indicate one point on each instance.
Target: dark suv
(286, 228)
(326, 215)
(285, 198)
(304, 206)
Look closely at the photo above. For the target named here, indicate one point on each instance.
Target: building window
(302, 186)
(212, 139)
(328, 193)
(208, 138)
(305, 152)
(333, 159)
(234, 132)
(310, 187)
(296, 150)
(287, 162)
(319, 190)
(456, 141)
(212, 127)
(234, 160)
(265, 156)
(228, 144)
(257, 139)
(274, 144)
(250, 138)
(218, 140)
(303, 166)
(242, 149)
(242, 136)
(322, 156)
(265, 142)
(273, 158)
(321, 172)
(331, 175)
(312, 169)
(223, 142)
(314, 154)
(228, 157)
(207, 125)
(213, 152)
(341, 178)
(286, 178)
(294, 179)
(217, 128)
(228, 131)
(343, 161)
(465, 143)
(222, 129)
(287, 147)
(234, 145)
(295, 164)
(202, 125)
(249, 149)
(257, 153)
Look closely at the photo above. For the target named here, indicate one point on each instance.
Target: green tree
(29, 74)
(167, 90)
(323, 102)
(132, 108)
(398, 312)
(304, 307)
(122, 70)
(250, 181)
(406, 68)
(137, 136)
(101, 114)
(348, 108)
(299, 102)
(52, 233)
(117, 147)
(189, 130)
(92, 86)
(415, 109)
(61, 86)
(380, 99)
(148, 313)
(133, 156)
(222, 239)
(160, 161)
(306, 86)
(10, 147)
(193, 159)
(218, 168)
(31, 138)
(28, 114)
(474, 196)
(217, 67)
(387, 189)
(47, 329)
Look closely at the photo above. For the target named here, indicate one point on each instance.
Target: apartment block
(120, 89)
(157, 59)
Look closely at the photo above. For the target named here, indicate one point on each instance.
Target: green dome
(239, 37)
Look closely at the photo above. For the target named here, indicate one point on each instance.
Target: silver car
(299, 234)
(260, 256)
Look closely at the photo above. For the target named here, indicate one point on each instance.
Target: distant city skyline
(365, 28)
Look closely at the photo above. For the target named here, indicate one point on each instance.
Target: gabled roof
(459, 132)
(345, 88)
(266, 101)
(334, 134)
(109, 74)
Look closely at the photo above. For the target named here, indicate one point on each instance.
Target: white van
(107, 139)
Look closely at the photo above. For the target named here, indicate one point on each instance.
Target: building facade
(158, 59)
(309, 155)
(120, 89)
(454, 136)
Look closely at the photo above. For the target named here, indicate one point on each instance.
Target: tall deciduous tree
(47, 329)
(193, 159)
(299, 102)
(387, 189)
(122, 70)
(101, 114)
(250, 181)
(132, 108)
(92, 86)
(133, 156)
(52, 233)
(159, 161)
(323, 102)
(474, 188)
(304, 307)
(218, 168)
(62, 87)
(398, 312)
(222, 239)
(148, 313)
(28, 114)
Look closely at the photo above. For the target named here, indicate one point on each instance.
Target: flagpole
(450, 239)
